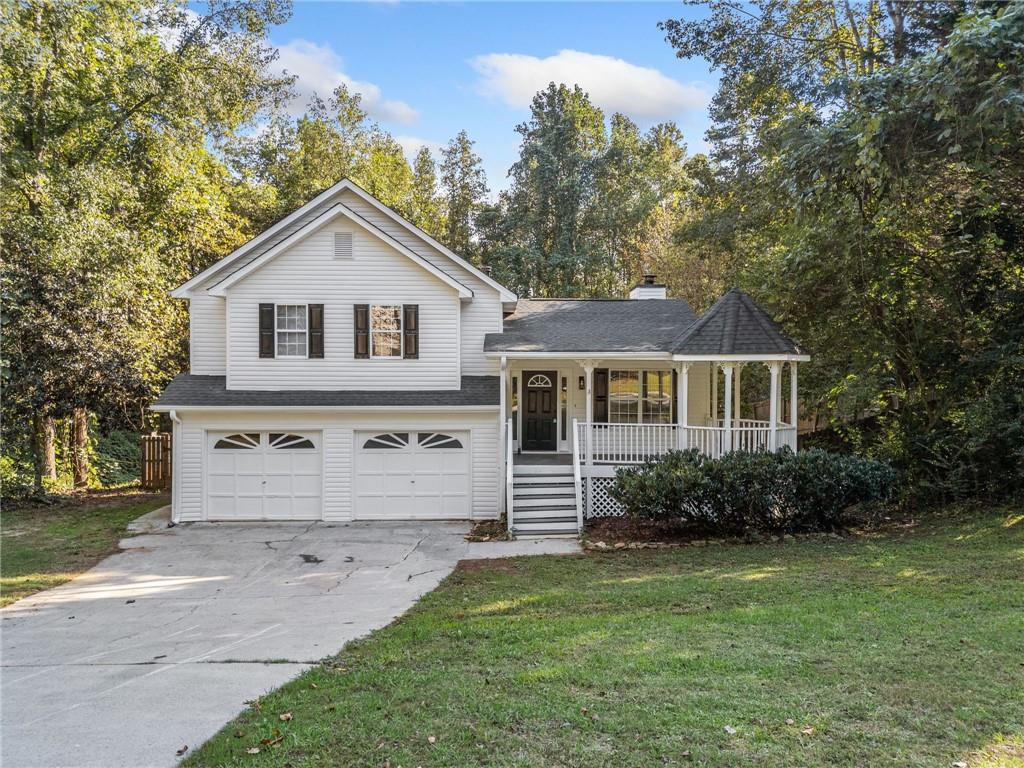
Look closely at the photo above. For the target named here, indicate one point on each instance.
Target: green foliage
(464, 190)
(867, 186)
(118, 458)
(582, 215)
(784, 491)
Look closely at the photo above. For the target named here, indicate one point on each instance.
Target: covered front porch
(629, 411)
(591, 386)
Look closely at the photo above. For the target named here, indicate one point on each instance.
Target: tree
(586, 201)
(868, 183)
(426, 202)
(464, 189)
(101, 109)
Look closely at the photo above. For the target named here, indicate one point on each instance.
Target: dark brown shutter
(361, 323)
(316, 331)
(411, 331)
(266, 330)
(600, 395)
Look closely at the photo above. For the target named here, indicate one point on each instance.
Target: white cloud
(170, 36)
(412, 144)
(613, 84)
(319, 70)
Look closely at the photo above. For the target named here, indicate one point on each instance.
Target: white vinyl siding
(338, 430)
(308, 273)
(206, 335)
(480, 316)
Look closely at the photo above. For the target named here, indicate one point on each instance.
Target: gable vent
(343, 245)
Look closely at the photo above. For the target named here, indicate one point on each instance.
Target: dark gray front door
(540, 414)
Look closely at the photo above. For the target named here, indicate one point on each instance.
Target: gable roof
(592, 325)
(326, 216)
(296, 220)
(735, 325)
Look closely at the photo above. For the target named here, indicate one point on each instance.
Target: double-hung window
(640, 397)
(385, 330)
(290, 330)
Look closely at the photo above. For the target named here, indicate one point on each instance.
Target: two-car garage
(396, 474)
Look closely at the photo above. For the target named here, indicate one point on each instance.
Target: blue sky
(427, 70)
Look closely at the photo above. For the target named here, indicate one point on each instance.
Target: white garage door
(263, 476)
(412, 475)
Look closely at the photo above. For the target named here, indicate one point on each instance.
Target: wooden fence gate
(156, 461)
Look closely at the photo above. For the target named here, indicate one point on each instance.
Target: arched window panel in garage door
(438, 440)
(387, 440)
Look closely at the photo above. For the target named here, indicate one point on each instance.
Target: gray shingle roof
(735, 325)
(189, 390)
(592, 325)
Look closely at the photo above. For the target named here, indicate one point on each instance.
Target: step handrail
(508, 473)
(577, 479)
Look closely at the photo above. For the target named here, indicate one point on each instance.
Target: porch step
(545, 500)
(546, 513)
(550, 527)
(523, 490)
(541, 469)
(542, 479)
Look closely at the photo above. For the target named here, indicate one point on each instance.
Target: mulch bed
(488, 530)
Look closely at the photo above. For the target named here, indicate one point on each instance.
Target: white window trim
(642, 372)
(401, 330)
(305, 332)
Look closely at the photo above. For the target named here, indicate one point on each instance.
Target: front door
(540, 414)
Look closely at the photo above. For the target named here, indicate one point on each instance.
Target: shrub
(783, 491)
(118, 458)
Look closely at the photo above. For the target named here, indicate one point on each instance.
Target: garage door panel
(254, 478)
(427, 477)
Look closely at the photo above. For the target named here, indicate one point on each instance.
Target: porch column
(714, 395)
(588, 373)
(737, 409)
(792, 393)
(503, 434)
(683, 405)
(727, 369)
(773, 407)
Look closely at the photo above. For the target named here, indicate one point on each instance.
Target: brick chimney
(650, 288)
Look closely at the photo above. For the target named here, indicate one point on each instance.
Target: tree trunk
(49, 451)
(80, 447)
(37, 453)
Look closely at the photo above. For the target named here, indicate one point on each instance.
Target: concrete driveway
(160, 645)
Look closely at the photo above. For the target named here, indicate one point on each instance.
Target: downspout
(175, 474)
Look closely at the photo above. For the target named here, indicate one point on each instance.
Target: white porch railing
(636, 443)
(577, 477)
(508, 473)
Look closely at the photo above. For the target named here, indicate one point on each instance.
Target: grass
(899, 650)
(44, 546)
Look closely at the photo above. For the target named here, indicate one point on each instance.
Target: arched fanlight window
(539, 380)
(438, 440)
(388, 440)
(286, 441)
(240, 442)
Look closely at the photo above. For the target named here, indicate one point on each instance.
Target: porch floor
(542, 459)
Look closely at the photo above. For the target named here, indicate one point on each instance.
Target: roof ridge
(768, 325)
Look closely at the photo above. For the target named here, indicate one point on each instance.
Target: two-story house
(347, 366)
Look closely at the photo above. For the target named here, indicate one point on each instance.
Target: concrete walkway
(160, 645)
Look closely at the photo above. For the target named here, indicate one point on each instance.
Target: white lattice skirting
(604, 505)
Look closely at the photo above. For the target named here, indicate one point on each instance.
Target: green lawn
(899, 650)
(44, 546)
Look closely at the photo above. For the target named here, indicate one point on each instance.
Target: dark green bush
(784, 491)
